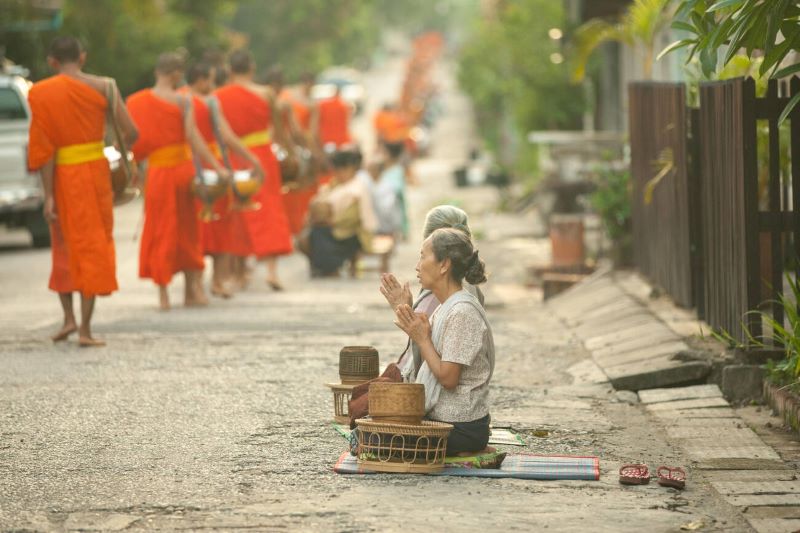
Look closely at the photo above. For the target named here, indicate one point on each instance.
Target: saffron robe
(334, 121)
(296, 201)
(69, 113)
(262, 232)
(215, 237)
(170, 238)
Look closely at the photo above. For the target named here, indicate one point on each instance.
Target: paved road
(217, 417)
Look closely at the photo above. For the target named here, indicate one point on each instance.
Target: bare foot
(64, 333)
(221, 290)
(89, 342)
(197, 298)
(163, 299)
(275, 285)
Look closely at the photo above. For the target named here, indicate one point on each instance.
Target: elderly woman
(441, 216)
(456, 345)
(341, 216)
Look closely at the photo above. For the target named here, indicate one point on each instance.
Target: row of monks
(175, 131)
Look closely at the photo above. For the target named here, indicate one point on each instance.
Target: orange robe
(334, 121)
(296, 201)
(265, 231)
(170, 238)
(67, 113)
(215, 235)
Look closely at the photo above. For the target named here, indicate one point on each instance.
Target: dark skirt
(469, 436)
(328, 254)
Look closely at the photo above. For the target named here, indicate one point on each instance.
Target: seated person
(389, 193)
(456, 345)
(341, 217)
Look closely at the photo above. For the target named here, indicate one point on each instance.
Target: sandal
(671, 477)
(634, 474)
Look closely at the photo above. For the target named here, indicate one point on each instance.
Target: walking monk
(331, 122)
(170, 239)
(216, 237)
(249, 109)
(66, 147)
(296, 112)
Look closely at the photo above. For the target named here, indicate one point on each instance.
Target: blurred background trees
(513, 69)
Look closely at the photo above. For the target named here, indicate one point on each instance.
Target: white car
(348, 80)
(21, 196)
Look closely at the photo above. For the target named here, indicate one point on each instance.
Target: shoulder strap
(214, 110)
(111, 115)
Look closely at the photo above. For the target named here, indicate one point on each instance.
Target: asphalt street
(218, 417)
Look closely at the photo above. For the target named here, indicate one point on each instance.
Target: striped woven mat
(519, 465)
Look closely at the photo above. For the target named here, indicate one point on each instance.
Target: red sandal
(671, 477)
(634, 474)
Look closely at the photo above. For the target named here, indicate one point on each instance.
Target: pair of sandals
(639, 474)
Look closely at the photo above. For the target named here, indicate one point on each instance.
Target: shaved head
(241, 62)
(170, 63)
(65, 49)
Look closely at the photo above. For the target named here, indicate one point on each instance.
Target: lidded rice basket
(358, 364)
(400, 403)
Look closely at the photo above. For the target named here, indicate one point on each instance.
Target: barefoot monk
(66, 147)
(170, 239)
(216, 237)
(249, 108)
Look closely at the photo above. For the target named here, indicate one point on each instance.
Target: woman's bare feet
(66, 330)
(163, 298)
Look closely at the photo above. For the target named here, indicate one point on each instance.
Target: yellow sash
(75, 154)
(169, 156)
(257, 138)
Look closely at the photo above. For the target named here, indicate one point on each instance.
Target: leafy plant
(639, 26)
(787, 334)
(759, 27)
(612, 201)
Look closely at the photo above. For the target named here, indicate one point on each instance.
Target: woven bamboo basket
(341, 398)
(387, 447)
(399, 403)
(358, 364)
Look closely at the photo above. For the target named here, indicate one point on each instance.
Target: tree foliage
(767, 28)
(639, 26)
(507, 69)
(771, 27)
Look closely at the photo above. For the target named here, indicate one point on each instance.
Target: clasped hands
(416, 325)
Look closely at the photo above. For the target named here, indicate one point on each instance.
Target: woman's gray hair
(446, 216)
(455, 245)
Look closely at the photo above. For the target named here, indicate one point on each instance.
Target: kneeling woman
(341, 216)
(456, 345)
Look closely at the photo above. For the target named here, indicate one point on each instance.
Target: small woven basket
(358, 364)
(387, 447)
(341, 398)
(400, 403)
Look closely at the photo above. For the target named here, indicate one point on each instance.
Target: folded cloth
(519, 466)
(358, 406)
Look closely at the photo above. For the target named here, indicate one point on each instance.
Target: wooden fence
(662, 234)
(729, 204)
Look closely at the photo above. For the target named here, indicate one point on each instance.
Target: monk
(66, 147)
(295, 109)
(249, 108)
(170, 238)
(331, 122)
(216, 235)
